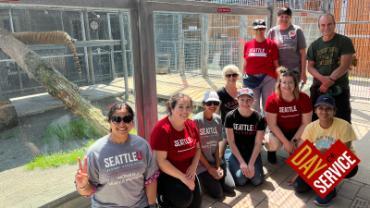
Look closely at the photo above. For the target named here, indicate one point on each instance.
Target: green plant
(58, 159)
(75, 129)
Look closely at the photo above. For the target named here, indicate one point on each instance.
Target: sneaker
(324, 202)
(271, 157)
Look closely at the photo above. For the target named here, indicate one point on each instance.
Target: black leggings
(172, 193)
(215, 188)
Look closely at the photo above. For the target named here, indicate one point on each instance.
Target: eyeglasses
(125, 119)
(231, 75)
(285, 71)
(209, 103)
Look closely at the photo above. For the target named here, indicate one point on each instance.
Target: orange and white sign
(323, 171)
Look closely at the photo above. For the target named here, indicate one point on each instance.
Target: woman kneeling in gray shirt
(212, 171)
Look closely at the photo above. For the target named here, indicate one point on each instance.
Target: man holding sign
(323, 133)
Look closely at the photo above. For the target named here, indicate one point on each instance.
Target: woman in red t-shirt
(260, 63)
(288, 111)
(175, 141)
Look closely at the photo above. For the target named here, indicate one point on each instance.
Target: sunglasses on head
(232, 75)
(125, 119)
(285, 71)
(209, 103)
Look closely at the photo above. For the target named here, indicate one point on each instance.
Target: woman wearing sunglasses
(119, 169)
(260, 63)
(288, 111)
(212, 172)
(227, 95)
(175, 141)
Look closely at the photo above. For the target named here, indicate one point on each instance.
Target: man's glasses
(212, 103)
(231, 75)
(125, 119)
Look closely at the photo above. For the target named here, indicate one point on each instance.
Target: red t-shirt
(180, 145)
(260, 57)
(289, 114)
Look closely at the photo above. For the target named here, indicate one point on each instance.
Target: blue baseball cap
(325, 100)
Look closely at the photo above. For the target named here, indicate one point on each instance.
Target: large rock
(8, 115)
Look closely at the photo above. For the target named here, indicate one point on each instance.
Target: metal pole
(123, 47)
(86, 58)
(243, 31)
(89, 50)
(272, 17)
(181, 46)
(113, 69)
(204, 45)
(11, 21)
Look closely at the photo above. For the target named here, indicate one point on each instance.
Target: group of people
(185, 157)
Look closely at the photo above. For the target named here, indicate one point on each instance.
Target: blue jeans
(236, 172)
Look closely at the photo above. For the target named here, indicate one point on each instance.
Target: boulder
(8, 115)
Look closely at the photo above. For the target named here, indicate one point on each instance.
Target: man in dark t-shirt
(329, 58)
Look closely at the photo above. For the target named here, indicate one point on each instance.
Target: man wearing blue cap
(323, 133)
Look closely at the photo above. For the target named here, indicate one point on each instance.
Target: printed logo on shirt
(183, 141)
(257, 52)
(288, 109)
(125, 159)
(124, 167)
(292, 34)
(326, 55)
(245, 129)
(208, 131)
(209, 144)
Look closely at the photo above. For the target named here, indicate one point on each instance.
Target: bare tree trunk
(54, 82)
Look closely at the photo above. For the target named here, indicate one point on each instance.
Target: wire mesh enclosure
(103, 45)
(200, 43)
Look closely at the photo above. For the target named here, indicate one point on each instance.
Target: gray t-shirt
(289, 42)
(119, 171)
(209, 135)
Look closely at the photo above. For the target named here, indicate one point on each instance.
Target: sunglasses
(212, 103)
(231, 75)
(285, 71)
(125, 119)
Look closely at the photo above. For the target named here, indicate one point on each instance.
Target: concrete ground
(55, 188)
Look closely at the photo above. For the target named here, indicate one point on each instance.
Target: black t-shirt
(327, 54)
(245, 130)
(228, 103)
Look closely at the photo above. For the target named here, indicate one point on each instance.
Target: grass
(55, 160)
